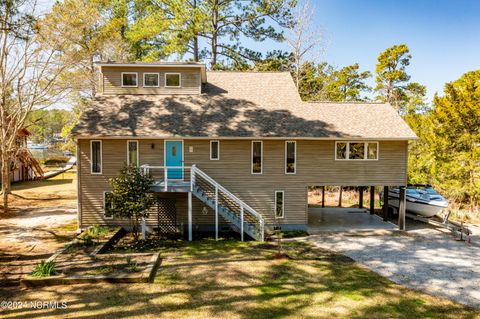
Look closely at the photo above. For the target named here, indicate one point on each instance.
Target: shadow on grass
(194, 281)
(41, 183)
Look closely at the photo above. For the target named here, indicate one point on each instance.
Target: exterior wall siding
(111, 82)
(316, 165)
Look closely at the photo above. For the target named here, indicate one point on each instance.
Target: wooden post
(360, 197)
(165, 179)
(241, 220)
(401, 209)
(189, 216)
(340, 197)
(372, 200)
(216, 213)
(385, 203)
(323, 196)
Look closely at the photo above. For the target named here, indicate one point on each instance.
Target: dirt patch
(60, 190)
(80, 262)
(31, 235)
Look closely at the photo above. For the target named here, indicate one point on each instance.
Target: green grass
(231, 279)
(44, 269)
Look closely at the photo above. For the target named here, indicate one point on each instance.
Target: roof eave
(406, 138)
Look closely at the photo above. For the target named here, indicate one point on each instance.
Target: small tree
(130, 197)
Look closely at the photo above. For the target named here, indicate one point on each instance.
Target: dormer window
(151, 80)
(129, 79)
(172, 80)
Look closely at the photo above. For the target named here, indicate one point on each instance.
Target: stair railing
(244, 207)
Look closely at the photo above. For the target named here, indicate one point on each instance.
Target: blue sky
(443, 36)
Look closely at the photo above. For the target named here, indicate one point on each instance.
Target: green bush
(44, 269)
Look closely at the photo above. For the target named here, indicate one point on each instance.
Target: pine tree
(455, 141)
(391, 74)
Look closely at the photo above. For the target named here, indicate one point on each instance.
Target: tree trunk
(135, 228)
(93, 77)
(214, 33)
(195, 38)
(5, 183)
(195, 48)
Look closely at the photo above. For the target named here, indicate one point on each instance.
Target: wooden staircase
(27, 159)
(241, 217)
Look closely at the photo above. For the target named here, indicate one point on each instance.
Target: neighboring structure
(25, 167)
(227, 147)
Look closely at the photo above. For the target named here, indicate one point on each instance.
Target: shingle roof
(239, 104)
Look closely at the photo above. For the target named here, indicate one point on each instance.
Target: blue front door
(174, 157)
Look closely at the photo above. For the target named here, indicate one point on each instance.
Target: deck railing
(168, 175)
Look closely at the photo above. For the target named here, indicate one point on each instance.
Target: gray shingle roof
(239, 104)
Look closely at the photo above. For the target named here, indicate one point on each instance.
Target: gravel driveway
(425, 259)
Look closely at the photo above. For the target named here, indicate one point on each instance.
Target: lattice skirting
(166, 215)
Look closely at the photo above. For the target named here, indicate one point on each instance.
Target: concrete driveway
(424, 258)
(344, 219)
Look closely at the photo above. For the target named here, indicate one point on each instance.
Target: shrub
(131, 197)
(44, 269)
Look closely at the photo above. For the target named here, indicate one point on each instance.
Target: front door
(174, 157)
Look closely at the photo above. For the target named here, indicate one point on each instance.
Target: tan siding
(112, 82)
(315, 166)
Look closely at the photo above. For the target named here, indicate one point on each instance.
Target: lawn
(231, 279)
(60, 190)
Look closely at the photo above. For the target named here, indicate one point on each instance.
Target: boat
(32, 146)
(421, 200)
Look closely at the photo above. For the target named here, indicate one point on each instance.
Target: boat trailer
(458, 229)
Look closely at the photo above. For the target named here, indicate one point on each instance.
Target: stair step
(229, 210)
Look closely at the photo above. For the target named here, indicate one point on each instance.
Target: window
(279, 204)
(151, 80)
(108, 205)
(172, 79)
(356, 150)
(372, 151)
(132, 153)
(129, 79)
(341, 152)
(96, 157)
(257, 157)
(214, 150)
(290, 157)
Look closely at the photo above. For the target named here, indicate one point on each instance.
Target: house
(229, 149)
